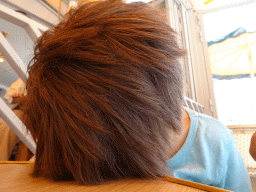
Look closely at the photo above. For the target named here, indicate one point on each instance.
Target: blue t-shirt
(209, 156)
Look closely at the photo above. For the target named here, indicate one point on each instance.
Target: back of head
(104, 93)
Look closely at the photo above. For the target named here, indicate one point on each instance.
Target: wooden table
(16, 177)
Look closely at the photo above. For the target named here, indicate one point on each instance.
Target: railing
(34, 30)
(242, 135)
(189, 103)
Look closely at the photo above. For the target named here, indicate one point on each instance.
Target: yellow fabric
(207, 2)
(17, 87)
(8, 139)
(231, 57)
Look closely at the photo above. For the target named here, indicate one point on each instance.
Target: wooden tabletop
(16, 177)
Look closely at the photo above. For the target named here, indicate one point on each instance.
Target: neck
(185, 119)
(179, 139)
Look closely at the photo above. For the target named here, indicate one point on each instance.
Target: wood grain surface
(16, 177)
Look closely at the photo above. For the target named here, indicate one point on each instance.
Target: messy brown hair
(105, 92)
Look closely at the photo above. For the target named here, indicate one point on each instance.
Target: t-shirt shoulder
(210, 126)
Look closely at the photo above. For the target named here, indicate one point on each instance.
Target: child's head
(105, 91)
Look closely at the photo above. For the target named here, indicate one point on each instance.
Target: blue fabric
(209, 156)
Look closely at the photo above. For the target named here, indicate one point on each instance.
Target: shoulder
(209, 128)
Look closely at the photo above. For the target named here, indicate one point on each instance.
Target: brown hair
(105, 91)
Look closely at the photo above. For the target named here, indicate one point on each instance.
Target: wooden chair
(15, 176)
(23, 153)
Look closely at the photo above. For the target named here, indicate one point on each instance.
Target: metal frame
(34, 30)
(156, 3)
(187, 37)
(193, 105)
(185, 9)
(186, 4)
